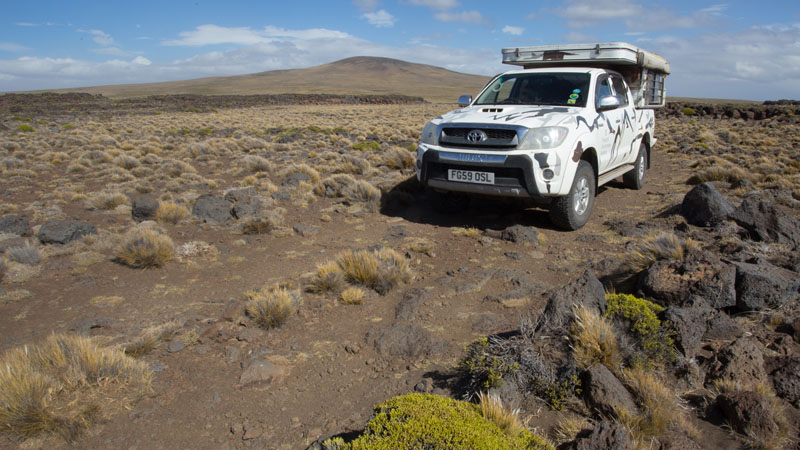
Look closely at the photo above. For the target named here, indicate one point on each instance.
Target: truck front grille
(500, 138)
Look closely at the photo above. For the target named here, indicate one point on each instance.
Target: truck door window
(603, 89)
(620, 89)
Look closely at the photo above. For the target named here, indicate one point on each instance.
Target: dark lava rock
(64, 231)
(765, 222)
(762, 285)
(558, 314)
(520, 234)
(748, 413)
(603, 391)
(704, 206)
(13, 224)
(143, 207)
(689, 325)
(306, 230)
(700, 279)
(295, 178)
(212, 209)
(606, 435)
(406, 340)
(721, 327)
(783, 372)
(407, 307)
(742, 361)
(246, 202)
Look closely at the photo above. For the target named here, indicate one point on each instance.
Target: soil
(328, 374)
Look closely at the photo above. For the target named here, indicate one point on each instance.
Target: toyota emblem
(476, 136)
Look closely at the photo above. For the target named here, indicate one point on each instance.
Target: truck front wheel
(635, 178)
(572, 211)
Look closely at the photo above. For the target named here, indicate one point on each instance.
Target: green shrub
(367, 145)
(423, 421)
(688, 111)
(483, 369)
(25, 128)
(657, 344)
(557, 392)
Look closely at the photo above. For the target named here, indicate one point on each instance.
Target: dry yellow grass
(53, 386)
(569, 426)
(775, 441)
(107, 200)
(145, 248)
(271, 307)
(380, 270)
(593, 340)
(329, 278)
(656, 248)
(171, 213)
(151, 337)
(353, 295)
(493, 410)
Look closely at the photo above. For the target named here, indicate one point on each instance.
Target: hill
(360, 75)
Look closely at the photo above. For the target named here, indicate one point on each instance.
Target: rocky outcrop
(748, 413)
(700, 279)
(767, 223)
(604, 393)
(212, 209)
(13, 224)
(143, 207)
(704, 206)
(586, 291)
(606, 435)
(64, 231)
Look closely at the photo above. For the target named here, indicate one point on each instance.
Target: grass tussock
(171, 213)
(569, 426)
(255, 164)
(56, 386)
(150, 338)
(753, 440)
(493, 410)
(729, 173)
(380, 270)
(27, 254)
(259, 225)
(656, 248)
(473, 233)
(593, 340)
(399, 158)
(107, 200)
(353, 295)
(329, 278)
(145, 248)
(271, 307)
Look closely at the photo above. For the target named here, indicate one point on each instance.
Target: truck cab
(552, 132)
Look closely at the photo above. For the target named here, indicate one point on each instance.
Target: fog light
(547, 174)
(419, 164)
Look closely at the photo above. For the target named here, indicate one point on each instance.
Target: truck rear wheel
(635, 178)
(573, 210)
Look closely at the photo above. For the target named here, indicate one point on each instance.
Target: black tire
(450, 202)
(635, 178)
(572, 211)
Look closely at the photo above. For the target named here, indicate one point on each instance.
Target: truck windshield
(558, 89)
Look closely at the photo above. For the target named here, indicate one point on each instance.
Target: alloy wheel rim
(641, 166)
(582, 196)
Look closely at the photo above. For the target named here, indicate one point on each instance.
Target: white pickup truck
(574, 118)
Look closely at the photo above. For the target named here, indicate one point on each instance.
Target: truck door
(626, 129)
(609, 123)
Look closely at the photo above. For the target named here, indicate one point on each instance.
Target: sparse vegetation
(272, 306)
(642, 315)
(482, 369)
(380, 270)
(353, 295)
(593, 340)
(656, 248)
(150, 338)
(171, 213)
(57, 386)
(145, 248)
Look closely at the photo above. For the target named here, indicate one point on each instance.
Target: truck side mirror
(608, 102)
(464, 100)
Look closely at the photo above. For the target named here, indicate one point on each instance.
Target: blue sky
(739, 50)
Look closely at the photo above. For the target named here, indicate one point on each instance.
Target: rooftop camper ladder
(643, 71)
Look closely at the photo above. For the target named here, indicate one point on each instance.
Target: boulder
(762, 285)
(586, 291)
(606, 435)
(741, 361)
(767, 223)
(13, 224)
(212, 209)
(64, 231)
(748, 413)
(721, 327)
(783, 373)
(704, 206)
(700, 279)
(247, 202)
(262, 372)
(408, 306)
(520, 234)
(407, 340)
(143, 207)
(603, 392)
(689, 325)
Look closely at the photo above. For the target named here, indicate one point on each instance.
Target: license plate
(470, 176)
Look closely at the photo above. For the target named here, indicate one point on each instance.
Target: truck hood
(520, 115)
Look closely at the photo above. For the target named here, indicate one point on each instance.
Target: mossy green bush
(424, 421)
(25, 128)
(657, 344)
(557, 392)
(688, 111)
(484, 370)
(367, 145)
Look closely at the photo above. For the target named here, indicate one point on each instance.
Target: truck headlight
(542, 138)
(430, 134)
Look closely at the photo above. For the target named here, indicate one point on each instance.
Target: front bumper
(513, 174)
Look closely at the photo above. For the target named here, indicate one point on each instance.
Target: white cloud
(430, 37)
(380, 19)
(473, 17)
(100, 37)
(26, 24)
(440, 5)
(588, 13)
(582, 38)
(514, 31)
(755, 63)
(715, 9)
(142, 61)
(13, 48)
(114, 51)
(366, 5)
(215, 34)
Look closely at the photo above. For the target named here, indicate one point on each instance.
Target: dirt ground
(326, 373)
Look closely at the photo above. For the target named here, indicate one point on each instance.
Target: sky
(735, 50)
